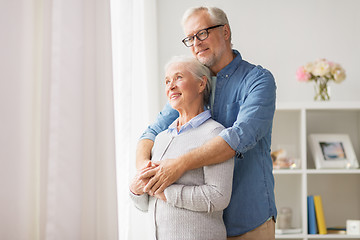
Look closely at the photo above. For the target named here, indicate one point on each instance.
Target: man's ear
(227, 33)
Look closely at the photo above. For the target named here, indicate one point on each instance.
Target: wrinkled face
(209, 51)
(182, 89)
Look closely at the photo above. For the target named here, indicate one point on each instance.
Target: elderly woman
(192, 207)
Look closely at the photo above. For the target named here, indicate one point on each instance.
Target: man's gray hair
(197, 69)
(217, 15)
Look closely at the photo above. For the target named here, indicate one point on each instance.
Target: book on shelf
(312, 229)
(336, 230)
(319, 212)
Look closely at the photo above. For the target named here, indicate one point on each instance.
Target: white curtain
(136, 97)
(58, 178)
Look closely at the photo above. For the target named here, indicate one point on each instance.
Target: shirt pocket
(232, 111)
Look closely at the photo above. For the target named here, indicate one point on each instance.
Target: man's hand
(162, 176)
(161, 196)
(215, 151)
(137, 185)
(144, 165)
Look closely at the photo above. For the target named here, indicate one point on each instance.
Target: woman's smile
(174, 96)
(183, 90)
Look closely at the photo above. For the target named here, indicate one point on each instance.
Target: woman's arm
(214, 195)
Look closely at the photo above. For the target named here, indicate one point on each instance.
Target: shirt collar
(193, 123)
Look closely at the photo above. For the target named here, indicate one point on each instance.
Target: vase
(322, 91)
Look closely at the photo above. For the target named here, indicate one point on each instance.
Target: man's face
(209, 51)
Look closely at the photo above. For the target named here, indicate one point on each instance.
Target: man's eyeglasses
(200, 35)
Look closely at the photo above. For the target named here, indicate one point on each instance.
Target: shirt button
(226, 75)
(239, 155)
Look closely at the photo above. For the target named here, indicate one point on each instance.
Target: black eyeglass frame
(196, 35)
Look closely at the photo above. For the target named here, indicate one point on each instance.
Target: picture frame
(332, 151)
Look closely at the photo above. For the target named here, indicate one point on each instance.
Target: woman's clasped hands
(138, 183)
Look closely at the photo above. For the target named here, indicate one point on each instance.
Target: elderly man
(243, 100)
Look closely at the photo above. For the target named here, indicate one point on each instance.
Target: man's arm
(143, 153)
(215, 151)
(213, 195)
(146, 142)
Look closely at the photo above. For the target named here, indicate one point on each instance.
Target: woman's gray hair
(197, 69)
(217, 15)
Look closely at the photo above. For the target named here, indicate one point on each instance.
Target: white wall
(280, 35)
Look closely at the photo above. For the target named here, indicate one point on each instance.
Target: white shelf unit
(339, 188)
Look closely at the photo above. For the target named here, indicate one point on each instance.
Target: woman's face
(182, 89)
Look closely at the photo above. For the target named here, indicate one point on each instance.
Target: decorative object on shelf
(284, 222)
(353, 227)
(332, 151)
(284, 218)
(321, 72)
(282, 161)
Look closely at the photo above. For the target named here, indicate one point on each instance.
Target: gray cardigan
(196, 201)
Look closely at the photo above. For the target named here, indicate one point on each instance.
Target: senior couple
(204, 166)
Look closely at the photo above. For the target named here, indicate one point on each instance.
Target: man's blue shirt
(244, 103)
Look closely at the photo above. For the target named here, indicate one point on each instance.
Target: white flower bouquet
(321, 72)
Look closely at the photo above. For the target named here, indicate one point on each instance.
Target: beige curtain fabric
(60, 163)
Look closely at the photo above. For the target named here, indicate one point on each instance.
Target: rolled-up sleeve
(256, 112)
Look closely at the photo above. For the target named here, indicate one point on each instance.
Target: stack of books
(316, 219)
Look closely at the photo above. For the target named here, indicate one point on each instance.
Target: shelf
(316, 236)
(289, 236)
(318, 105)
(339, 188)
(333, 236)
(316, 171)
(288, 171)
(333, 171)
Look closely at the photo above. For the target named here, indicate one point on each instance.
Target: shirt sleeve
(162, 122)
(256, 112)
(141, 202)
(214, 195)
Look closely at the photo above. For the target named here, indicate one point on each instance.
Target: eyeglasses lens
(201, 35)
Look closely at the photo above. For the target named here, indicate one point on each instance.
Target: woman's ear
(203, 83)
